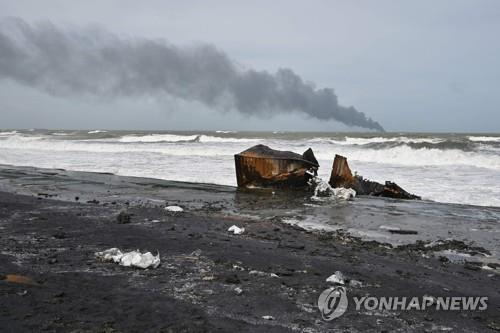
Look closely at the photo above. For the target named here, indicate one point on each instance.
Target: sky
(420, 66)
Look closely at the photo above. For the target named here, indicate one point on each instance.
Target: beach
(267, 279)
(199, 167)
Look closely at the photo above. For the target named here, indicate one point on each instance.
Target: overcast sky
(410, 65)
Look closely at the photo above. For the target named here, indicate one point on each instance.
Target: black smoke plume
(94, 62)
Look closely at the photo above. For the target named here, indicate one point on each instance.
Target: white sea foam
(96, 131)
(404, 155)
(484, 138)
(8, 133)
(157, 138)
(181, 138)
(208, 138)
(366, 141)
(450, 175)
(210, 146)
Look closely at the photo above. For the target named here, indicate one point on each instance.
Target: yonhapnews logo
(333, 303)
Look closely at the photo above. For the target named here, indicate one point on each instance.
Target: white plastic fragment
(260, 273)
(140, 260)
(389, 228)
(174, 209)
(355, 284)
(337, 278)
(238, 291)
(130, 259)
(268, 317)
(324, 192)
(344, 193)
(113, 254)
(236, 230)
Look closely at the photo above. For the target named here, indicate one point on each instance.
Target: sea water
(449, 168)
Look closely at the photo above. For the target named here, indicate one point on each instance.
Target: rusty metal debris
(342, 176)
(261, 166)
(20, 279)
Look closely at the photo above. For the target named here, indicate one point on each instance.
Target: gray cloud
(97, 63)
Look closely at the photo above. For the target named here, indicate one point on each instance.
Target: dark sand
(48, 236)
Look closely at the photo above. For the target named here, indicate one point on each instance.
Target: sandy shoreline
(49, 236)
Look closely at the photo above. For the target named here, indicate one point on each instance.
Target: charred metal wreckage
(261, 166)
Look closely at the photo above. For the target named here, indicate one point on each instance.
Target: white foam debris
(236, 230)
(337, 278)
(112, 254)
(389, 228)
(174, 209)
(268, 317)
(130, 259)
(238, 291)
(324, 192)
(310, 205)
(355, 284)
(344, 193)
(260, 273)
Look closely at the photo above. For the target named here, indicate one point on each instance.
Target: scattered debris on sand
(130, 259)
(20, 279)
(337, 278)
(175, 209)
(236, 230)
(124, 217)
(342, 176)
(261, 166)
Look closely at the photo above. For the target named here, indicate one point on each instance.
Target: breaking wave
(8, 133)
(158, 138)
(408, 156)
(151, 138)
(458, 143)
(484, 138)
(367, 141)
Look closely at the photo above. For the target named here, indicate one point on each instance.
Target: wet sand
(52, 222)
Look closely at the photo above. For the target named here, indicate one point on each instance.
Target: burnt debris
(261, 166)
(342, 176)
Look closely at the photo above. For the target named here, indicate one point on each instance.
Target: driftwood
(342, 176)
(261, 166)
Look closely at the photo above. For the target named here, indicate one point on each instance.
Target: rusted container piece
(261, 166)
(341, 173)
(341, 176)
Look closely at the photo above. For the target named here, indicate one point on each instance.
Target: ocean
(448, 168)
